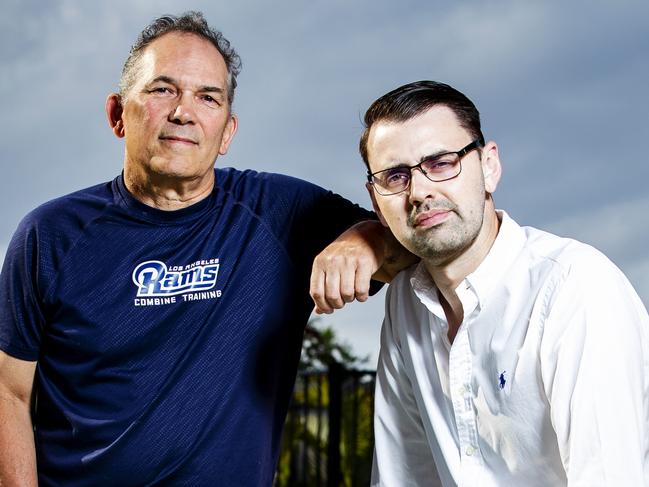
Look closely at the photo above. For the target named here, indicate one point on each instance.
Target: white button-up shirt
(546, 382)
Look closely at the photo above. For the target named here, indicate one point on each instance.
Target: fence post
(334, 476)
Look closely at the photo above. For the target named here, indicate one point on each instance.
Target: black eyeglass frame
(476, 144)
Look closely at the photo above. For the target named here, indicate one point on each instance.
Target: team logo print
(158, 284)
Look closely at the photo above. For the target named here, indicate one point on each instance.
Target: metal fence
(328, 436)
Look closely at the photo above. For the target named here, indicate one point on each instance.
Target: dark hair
(410, 100)
(190, 23)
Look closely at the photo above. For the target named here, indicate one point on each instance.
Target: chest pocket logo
(501, 380)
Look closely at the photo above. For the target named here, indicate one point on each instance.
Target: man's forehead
(436, 129)
(437, 119)
(180, 49)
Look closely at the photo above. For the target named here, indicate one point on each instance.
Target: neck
(448, 277)
(166, 192)
(450, 274)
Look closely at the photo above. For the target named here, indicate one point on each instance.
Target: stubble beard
(443, 243)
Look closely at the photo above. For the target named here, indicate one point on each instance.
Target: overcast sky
(561, 86)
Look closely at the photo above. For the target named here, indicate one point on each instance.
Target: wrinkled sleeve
(21, 313)
(595, 369)
(402, 454)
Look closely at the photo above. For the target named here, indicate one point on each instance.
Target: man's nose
(421, 187)
(184, 110)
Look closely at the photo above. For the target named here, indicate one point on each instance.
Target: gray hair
(191, 23)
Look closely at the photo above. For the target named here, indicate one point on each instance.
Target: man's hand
(342, 272)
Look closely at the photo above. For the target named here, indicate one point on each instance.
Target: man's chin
(435, 248)
(179, 169)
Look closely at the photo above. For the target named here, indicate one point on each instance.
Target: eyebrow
(203, 89)
(432, 155)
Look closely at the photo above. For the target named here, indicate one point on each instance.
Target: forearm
(17, 452)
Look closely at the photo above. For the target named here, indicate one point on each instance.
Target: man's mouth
(176, 139)
(430, 218)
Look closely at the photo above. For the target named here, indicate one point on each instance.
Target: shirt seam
(263, 221)
(66, 255)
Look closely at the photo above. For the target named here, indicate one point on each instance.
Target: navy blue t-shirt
(167, 342)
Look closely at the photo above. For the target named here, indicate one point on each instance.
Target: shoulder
(572, 259)
(288, 202)
(58, 222)
(245, 183)
(587, 292)
(78, 205)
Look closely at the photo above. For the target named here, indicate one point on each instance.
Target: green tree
(304, 445)
(321, 347)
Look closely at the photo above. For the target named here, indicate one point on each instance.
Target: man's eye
(210, 100)
(160, 90)
(439, 164)
(397, 176)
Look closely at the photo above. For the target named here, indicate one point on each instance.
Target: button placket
(460, 363)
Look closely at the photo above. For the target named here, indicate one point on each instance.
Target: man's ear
(491, 167)
(370, 190)
(114, 111)
(228, 134)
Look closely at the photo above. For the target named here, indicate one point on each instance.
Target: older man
(154, 322)
(509, 356)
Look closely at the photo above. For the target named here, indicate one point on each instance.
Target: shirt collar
(425, 289)
(508, 244)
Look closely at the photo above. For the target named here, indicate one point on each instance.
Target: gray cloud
(561, 87)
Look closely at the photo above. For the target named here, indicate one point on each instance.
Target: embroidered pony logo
(502, 380)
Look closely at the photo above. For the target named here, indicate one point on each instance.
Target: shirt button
(469, 451)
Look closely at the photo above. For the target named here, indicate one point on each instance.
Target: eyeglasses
(440, 167)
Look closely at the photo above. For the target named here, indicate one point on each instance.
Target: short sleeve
(21, 313)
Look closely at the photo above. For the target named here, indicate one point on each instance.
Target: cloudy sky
(561, 86)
